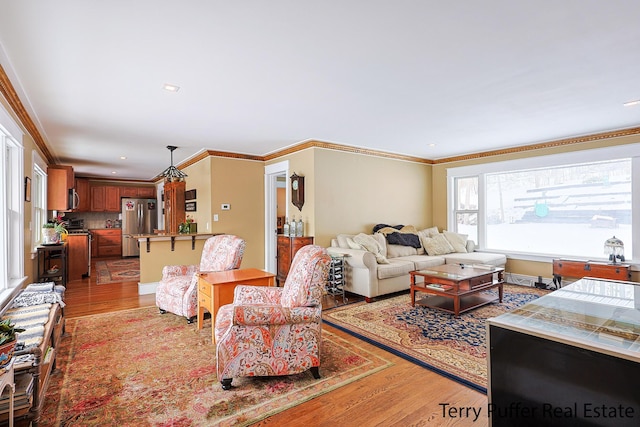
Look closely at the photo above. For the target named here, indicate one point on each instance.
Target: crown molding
(543, 145)
(10, 94)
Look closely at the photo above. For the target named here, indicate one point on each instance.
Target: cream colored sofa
(367, 277)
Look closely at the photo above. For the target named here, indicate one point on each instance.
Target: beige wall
(240, 183)
(354, 192)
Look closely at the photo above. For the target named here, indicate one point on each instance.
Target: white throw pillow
(429, 232)
(353, 245)
(371, 245)
(437, 245)
(457, 240)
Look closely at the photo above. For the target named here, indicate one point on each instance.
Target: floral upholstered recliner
(178, 289)
(270, 331)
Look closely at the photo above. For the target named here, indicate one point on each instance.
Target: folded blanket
(404, 239)
(28, 298)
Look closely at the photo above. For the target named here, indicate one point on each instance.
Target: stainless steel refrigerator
(139, 216)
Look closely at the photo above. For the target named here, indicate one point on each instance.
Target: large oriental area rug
(117, 270)
(431, 338)
(140, 368)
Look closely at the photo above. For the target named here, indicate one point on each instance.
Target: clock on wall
(297, 191)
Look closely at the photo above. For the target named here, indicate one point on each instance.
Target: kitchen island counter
(158, 250)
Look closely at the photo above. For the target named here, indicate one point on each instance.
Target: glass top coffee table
(457, 288)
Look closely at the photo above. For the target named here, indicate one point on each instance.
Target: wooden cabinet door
(286, 251)
(59, 181)
(128, 191)
(98, 201)
(112, 198)
(78, 256)
(147, 192)
(82, 188)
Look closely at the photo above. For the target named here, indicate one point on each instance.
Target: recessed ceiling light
(123, 157)
(432, 145)
(170, 87)
(114, 172)
(632, 103)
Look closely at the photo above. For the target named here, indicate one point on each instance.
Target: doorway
(275, 178)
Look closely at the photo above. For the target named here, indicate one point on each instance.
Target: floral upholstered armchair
(274, 331)
(178, 289)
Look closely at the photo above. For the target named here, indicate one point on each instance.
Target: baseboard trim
(147, 288)
(525, 280)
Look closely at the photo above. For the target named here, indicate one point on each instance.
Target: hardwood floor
(402, 395)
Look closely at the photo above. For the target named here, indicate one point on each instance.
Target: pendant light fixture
(172, 174)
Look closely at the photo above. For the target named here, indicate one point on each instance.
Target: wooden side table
(216, 289)
(7, 380)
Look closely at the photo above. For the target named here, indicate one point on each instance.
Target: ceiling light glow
(123, 157)
(632, 103)
(114, 172)
(170, 88)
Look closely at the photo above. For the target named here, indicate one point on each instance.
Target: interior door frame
(271, 173)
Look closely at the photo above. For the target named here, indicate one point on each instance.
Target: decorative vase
(6, 353)
(50, 236)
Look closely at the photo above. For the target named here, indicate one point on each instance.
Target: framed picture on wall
(27, 189)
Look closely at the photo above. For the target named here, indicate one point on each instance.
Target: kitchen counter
(172, 237)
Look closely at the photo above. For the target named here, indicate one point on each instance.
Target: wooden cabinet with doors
(174, 211)
(60, 180)
(105, 198)
(287, 248)
(108, 242)
(147, 192)
(84, 196)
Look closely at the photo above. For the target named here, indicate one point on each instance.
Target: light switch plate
(225, 206)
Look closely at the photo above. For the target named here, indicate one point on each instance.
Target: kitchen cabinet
(174, 212)
(60, 180)
(147, 192)
(108, 242)
(82, 188)
(138, 192)
(78, 250)
(287, 248)
(105, 198)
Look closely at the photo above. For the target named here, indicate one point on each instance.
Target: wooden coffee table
(457, 288)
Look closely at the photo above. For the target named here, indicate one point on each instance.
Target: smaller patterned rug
(437, 340)
(117, 270)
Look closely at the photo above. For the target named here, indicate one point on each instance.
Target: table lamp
(615, 249)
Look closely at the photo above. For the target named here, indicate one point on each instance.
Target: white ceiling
(258, 76)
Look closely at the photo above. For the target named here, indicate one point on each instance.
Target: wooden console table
(215, 289)
(580, 269)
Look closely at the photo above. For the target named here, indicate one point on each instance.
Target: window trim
(569, 158)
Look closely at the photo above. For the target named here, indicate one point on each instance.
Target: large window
(564, 208)
(38, 200)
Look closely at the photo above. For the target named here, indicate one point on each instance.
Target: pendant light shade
(172, 174)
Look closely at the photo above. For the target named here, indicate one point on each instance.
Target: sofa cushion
(395, 251)
(429, 232)
(497, 260)
(353, 245)
(437, 245)
(457, 240)
(422, 262)
(395, 267)
(371, 244)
